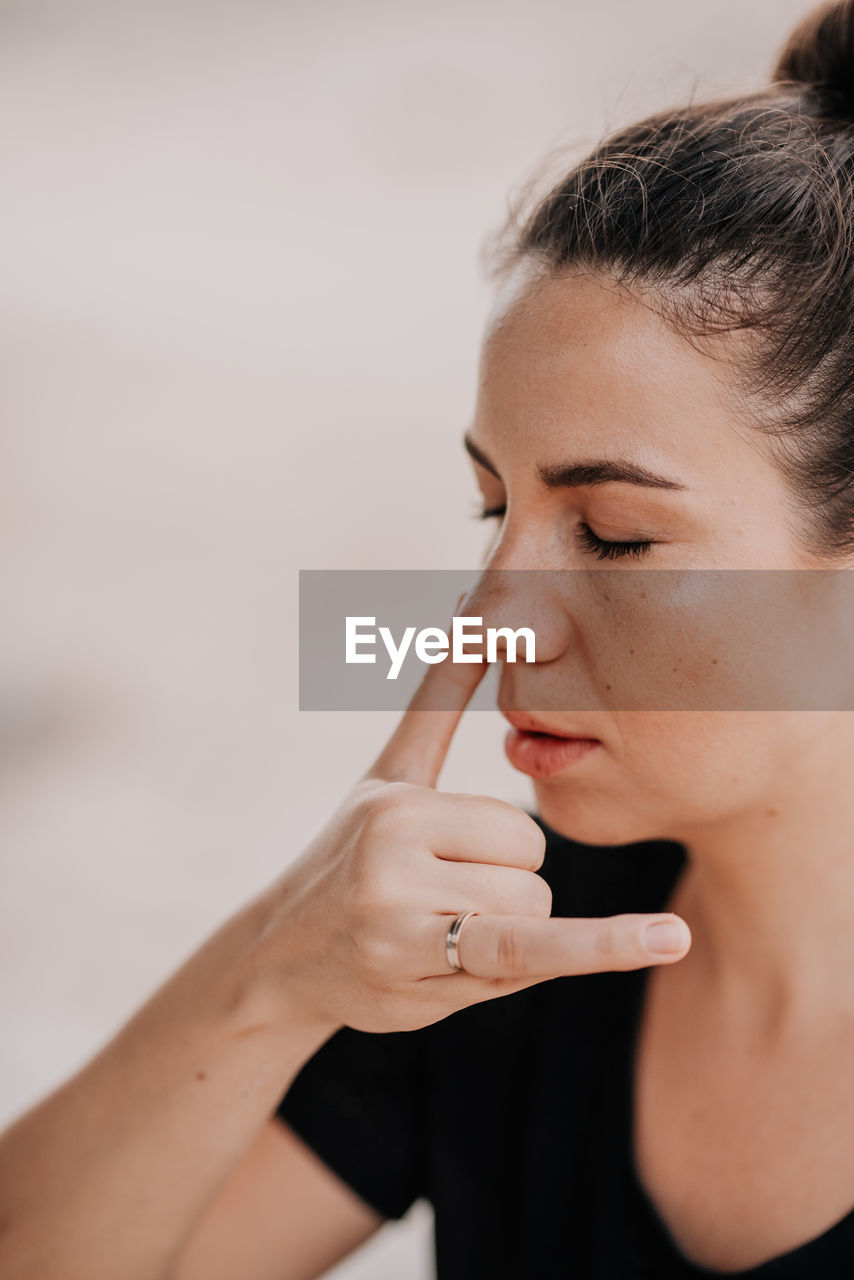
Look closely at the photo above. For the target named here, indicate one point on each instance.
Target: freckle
(714, 662)
(631, 650)
(643, 595)
(772, 813)
(201, 1075)
(607, 686)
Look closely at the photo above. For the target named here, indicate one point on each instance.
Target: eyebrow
(569, 475)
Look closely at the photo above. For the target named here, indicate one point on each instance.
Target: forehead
(579, 357)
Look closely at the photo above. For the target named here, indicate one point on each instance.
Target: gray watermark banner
(603, 639)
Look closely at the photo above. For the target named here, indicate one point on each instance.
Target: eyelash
(598, 546)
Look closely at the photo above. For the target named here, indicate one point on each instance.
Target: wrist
(263, 996)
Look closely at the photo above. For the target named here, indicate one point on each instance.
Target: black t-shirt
(513, 1117)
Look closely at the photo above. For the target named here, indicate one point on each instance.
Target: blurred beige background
(240, 305)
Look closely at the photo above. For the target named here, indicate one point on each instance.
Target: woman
(634, 1057)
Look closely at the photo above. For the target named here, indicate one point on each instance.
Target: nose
(512, 599)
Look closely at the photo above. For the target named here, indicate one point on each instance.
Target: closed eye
(610, 550)
(602, 549)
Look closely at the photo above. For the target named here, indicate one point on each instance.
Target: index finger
(416, 750)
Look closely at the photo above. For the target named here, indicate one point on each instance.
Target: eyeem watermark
(606, 639)
(432, 644)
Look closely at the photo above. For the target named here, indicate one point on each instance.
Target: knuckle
(543, 897)
(373, 951)
(511, 950)
(527, 835)
(523, 893)
(390, 812)
(364, 788)
(608, 942)
(526, 894)
(514, 825)
(534, 844)
(617, 944)
(372, 888)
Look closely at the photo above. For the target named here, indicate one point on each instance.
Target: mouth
(532, 725)
(541, 750)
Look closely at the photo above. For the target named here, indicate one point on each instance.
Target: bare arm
(149, 1161)
(282, 1215)
(108, 1175)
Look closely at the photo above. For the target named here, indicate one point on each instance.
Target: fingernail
(666, 936)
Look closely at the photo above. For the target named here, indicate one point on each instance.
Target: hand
(360, 921)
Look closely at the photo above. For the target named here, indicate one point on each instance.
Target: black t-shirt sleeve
(360, 1104)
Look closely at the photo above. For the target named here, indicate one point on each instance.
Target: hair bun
(819, 55)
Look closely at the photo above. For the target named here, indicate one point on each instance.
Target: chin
(589, 820)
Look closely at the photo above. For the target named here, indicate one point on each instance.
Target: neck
(769, 892)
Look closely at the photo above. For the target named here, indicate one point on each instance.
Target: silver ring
(452, 940)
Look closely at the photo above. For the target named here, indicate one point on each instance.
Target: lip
(541, 751)
(529, 723)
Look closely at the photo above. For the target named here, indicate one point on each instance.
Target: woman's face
(574, 371)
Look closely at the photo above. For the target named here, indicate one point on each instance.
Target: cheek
(694, 753)
(704, 765)
(665, 772)
(701, 640)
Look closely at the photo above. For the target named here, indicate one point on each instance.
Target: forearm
(108, 1175)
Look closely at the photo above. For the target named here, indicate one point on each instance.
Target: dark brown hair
(738, 214)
